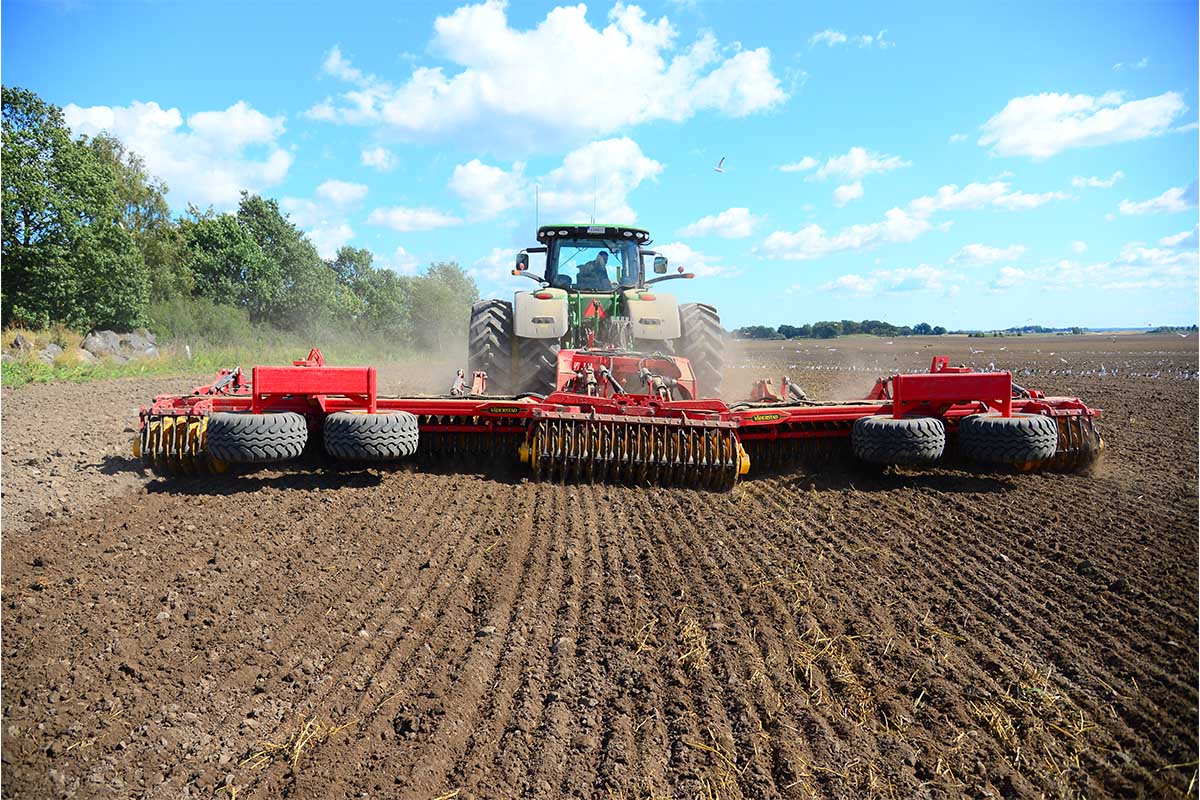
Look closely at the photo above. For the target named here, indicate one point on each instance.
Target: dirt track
(936, 633)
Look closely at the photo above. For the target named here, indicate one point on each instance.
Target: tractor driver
(594, 274)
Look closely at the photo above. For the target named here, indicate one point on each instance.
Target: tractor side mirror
(522, 262)
(660, 265)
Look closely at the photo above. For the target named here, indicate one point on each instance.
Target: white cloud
(210, 161)
(603, 173)
(806, 163)
(922, 278)
(812, 241)
(1080, 182)
(847, 193)
(983, 254)
(732, 223)
(493, 272)
(832, 38)
(857, 163)
(1079, 247)
(560, 80)
(1136, 267)
(1042, 125)
(407, 220)
(703, 266)
(878, 40)
(1024, 200)
(401, 261)
(324, 219)
(487, 190)
(849, 283)
(899, 224)
(1184, 239)
(1171, 201)
(999, 194)
(325, 227)
(379, 158)
(828, 37)
(955, 138)
(341, 193)
(1009, 277)
(1140, 64)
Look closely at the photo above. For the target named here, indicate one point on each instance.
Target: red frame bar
(942, 389)
(315, 383)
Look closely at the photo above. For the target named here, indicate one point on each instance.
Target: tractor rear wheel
(490, 344)
(370, 437)
(702, 342)
(1022, 440)
(537, 365)
(244, 438)
(883, 439)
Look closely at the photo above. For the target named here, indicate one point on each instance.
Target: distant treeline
(833, 329)
(89, 242)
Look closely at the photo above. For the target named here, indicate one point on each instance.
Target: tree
(146, 216)
(938, 330)
(826, 330)
(227, 264)
(441, 305)
(66, 257)
(922, 329)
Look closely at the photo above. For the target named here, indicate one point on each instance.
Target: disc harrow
(170, 444)
(659, 452)
(604, 429)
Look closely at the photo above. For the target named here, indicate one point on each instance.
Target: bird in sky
(720, 167)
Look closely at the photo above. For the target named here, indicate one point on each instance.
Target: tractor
(594, 293)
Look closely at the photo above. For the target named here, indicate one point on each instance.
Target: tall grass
(215, 337)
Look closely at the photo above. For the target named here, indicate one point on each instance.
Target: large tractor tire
(1022, 440)
(353, 436)
(883, 439)
(537, 365)
(490, 344)
(243, 438)
(702, 342)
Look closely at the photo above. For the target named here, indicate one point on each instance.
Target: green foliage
(66, 256)
(756, 332)
(441, 304)
(197, 319)
(227, 265)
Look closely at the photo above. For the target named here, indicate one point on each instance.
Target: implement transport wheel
(355, 436)
(883, 439)
(1023, 441)
(244, 438)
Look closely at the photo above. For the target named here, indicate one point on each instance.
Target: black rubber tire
(702, 342)
(537, 365)
(913, 441)
(1019, 440)
(370, 437)
(490, 344)
(244, 438)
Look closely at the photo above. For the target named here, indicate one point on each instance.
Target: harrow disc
(1079, 445)
(658, 453)
(176, 445)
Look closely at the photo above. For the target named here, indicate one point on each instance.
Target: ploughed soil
(314, 632)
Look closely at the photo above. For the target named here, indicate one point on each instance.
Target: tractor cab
(594, 293)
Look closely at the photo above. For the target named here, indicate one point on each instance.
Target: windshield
(592, 264)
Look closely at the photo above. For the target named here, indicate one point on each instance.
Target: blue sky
(965, 164)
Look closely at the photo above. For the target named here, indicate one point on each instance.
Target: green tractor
(594, 294)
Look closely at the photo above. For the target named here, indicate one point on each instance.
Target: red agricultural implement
(614, 416)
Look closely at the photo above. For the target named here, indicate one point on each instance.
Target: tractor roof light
(648, 297)
(543, 295)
